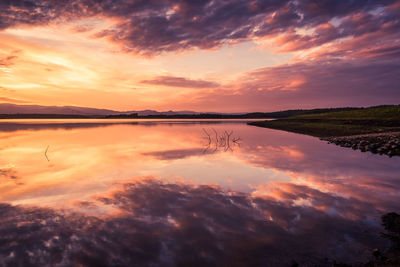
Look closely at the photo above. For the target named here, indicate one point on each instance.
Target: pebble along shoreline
(383, 144)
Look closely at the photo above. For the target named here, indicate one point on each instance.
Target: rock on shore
(383, 144)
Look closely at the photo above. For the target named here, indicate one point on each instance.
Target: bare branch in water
(45, 153)
(236, 141)
(224, 140)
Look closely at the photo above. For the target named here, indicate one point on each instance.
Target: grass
(360, 121)
(385, 113)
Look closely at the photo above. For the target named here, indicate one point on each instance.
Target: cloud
(6, 89)
(180, 82)
(175, 153)
(9, 60)
(151, 27)
(184, 225)
(312, 83)
(39, 12)
(348, 51)
(177, 25)
(12, 100)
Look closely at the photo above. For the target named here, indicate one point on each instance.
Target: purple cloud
(310, 84)
(150, 27)
(180, 82)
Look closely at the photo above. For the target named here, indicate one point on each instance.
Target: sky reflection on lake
(156, 193)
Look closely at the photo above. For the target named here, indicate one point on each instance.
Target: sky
(200, 55)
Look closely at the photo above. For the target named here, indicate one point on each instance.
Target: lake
(186, 193)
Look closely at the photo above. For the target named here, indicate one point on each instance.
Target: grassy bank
(343, 123)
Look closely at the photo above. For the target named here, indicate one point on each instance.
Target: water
(175, 192)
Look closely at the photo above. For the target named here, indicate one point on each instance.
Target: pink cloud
(180, 82)
(12, 100)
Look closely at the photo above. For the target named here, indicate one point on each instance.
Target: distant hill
(6, 108)
(35, 111)
(65, 110)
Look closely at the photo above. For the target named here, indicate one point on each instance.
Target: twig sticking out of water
(221, 141)
(236, 140)
(45, 153)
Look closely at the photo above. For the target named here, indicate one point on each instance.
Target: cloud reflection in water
(165, 224)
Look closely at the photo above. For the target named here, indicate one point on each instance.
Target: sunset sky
(201, 55)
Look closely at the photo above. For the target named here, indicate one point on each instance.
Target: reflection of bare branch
(209, 140)
(216, 139)
(208, 135)
(45, 153)
(222, 141)
(228, 136)
(216, 135)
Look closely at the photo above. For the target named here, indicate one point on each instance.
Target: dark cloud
(175, 25)
(151, 27)
(40, 12)
(180, 82)
(27, 12)
(183, 225)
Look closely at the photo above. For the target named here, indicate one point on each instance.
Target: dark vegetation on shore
(374, 129)
(253, 115)
(359, 121)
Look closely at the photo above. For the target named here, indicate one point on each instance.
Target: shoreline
(377, 140)
(377, 143)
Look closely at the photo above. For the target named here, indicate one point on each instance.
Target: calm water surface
(174, 192)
